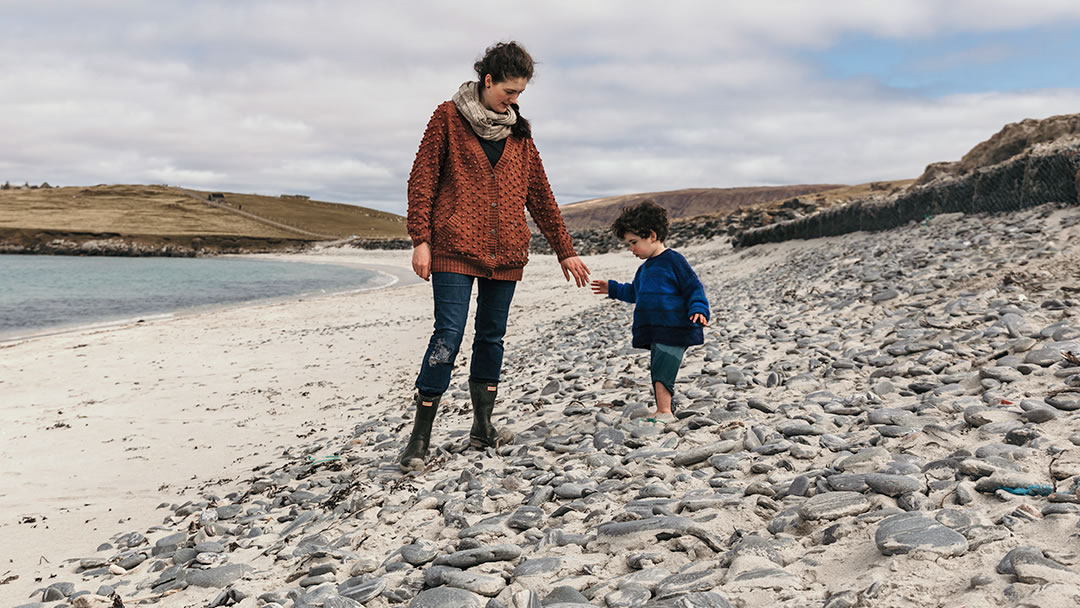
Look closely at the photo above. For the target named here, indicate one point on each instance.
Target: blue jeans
(453, 293)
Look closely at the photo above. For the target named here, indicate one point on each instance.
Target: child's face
(643, 247)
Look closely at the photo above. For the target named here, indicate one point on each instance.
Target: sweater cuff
(564, 250)
(420, 238)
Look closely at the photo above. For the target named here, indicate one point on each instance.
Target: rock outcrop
(1029, 171)
(1012, 140)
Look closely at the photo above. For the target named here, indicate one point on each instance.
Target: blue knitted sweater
(665, 291)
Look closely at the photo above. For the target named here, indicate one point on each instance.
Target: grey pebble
(218, 577)
(892, 485)
(909, 532)
(833, 505)
(472, 557)
(419, 553)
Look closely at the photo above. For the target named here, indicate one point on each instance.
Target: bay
(42, 293)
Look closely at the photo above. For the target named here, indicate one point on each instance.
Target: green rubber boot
(415, 453)
(483, 435)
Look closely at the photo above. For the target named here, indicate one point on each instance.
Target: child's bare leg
(663, 399)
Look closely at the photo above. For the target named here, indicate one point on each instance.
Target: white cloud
(187, 177)
(330, 98)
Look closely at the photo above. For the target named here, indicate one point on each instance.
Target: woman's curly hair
(641, 219)
(507, 61)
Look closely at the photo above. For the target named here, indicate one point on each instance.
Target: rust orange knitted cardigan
(473, 215)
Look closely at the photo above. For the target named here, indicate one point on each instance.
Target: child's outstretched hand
(599, 287)
(699, 319)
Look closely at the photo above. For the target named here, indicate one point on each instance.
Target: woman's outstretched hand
(421, 260)
(599, 288)
(574, 266)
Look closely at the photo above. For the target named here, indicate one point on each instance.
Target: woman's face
(497, 96)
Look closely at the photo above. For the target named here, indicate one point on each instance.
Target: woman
(475, 174)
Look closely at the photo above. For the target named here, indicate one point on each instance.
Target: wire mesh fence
(1047, 176)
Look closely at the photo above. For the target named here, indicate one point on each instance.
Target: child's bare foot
(665, 417)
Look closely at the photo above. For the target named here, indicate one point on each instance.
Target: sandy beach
(100, 427)
(881, 418)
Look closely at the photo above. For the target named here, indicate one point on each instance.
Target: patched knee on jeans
(440, 353)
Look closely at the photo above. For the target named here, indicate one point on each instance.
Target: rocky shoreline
(29, 241)
(875, 419)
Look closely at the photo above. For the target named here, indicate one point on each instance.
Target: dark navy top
(665, 291)
(493, 149)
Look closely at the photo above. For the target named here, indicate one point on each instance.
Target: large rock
(833, 505)
(1068, 402)
(698, 599)
(756, 572)
(219, 577)
(642, 532)
(907, 532)
(442, 597)
(472, 557)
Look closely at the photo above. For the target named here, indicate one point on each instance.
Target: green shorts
(664, 365)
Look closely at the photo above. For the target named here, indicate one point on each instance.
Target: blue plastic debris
(1034, 490)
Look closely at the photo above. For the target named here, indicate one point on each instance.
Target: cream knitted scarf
(489, 125)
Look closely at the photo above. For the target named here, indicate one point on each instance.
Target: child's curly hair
(641, 219)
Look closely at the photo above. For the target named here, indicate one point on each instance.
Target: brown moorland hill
(332, 219)
(124, 209)
(30, 216)
(690, 202)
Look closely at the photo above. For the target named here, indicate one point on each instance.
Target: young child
(670, 304)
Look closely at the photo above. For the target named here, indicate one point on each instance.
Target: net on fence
(1026, 181)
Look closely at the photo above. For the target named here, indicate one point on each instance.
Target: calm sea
(41, 293)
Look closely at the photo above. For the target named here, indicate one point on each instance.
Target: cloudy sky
(330, 98)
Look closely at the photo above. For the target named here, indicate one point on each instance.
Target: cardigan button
(494, 204)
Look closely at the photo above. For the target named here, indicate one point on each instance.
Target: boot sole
(411, 465)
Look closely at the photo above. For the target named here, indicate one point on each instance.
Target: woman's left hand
(574, 266)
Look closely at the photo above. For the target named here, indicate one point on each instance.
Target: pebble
(834, 505)
(480, 555)
(892, 485)
(908, 532)
(481, 584)
(420, 553)
(218, 577)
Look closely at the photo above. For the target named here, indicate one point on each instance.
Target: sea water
(47, 292)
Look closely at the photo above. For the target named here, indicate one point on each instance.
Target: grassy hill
(331, 219)
(182, 217)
